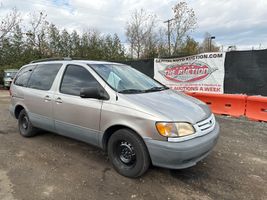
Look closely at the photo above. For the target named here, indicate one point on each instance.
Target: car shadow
(190, 174)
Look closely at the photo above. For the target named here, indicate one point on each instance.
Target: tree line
(43, 39)
(146, 39)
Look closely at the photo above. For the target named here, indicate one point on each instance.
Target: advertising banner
(197, 73)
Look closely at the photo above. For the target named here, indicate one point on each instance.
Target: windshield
(125, 79)
(10, 74)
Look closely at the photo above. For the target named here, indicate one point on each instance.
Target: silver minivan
(135, 119)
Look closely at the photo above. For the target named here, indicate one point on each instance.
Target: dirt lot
(53, 167)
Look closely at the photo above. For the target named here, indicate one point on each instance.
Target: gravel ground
(49, 166)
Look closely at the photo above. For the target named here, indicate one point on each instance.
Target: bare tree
(9, 22)
(190, 46)
(208, 45)
(140, 32)
(162, 43)
(184, 22)
(38, 32)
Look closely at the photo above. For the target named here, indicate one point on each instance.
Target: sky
(233, 22)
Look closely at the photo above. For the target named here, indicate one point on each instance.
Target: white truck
(9, 74)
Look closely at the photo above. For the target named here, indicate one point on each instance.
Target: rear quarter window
(22, 78)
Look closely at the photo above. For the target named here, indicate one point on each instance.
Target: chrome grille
(206, 125)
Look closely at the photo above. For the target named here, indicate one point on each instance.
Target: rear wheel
(128, 153)
(26, 128)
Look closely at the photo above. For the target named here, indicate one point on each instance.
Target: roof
(69, 60)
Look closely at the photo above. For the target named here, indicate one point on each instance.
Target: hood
(175, 106)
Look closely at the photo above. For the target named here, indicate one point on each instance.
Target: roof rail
(50, 59)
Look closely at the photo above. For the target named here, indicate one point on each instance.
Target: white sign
(198, 73)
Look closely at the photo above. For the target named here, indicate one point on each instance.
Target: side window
(43, 76)
(22, 78)
(75, 78)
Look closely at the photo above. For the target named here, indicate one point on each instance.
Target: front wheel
(128, 153)
(26, 128)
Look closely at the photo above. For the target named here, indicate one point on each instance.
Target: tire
(128, 153)
(26, 128)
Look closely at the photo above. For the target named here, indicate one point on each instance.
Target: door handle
(58, 100)
(47, 98)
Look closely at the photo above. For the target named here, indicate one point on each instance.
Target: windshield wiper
(156, 89)
(131, 91)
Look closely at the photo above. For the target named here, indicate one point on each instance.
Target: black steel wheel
(128, 153)
(26, 128)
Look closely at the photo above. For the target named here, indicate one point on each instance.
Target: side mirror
(94, 93)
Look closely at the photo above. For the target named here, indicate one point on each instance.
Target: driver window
(76, 77)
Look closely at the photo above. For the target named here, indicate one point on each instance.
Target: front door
(74, 116)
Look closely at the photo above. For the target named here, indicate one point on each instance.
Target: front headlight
(171, 129)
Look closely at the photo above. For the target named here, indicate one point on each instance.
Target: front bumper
(179, 155)
(7, 83)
